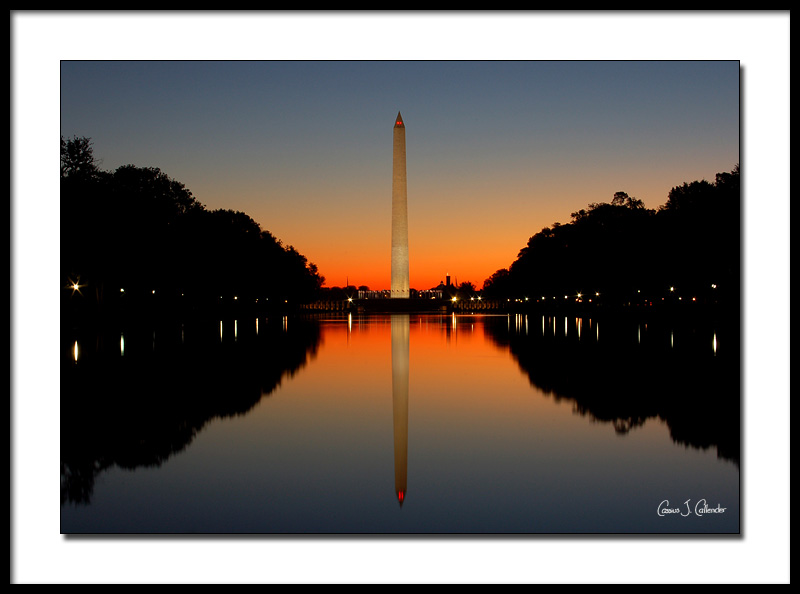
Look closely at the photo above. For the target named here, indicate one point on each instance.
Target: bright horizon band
(400, 277)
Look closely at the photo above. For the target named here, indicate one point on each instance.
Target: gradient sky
(496, 150)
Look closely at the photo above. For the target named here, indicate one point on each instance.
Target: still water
(420, 423)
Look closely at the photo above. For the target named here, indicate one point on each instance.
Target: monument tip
(398, 123)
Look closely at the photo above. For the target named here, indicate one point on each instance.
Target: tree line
(623, 253)
(135, 234)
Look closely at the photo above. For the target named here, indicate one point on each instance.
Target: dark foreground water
(402, 424)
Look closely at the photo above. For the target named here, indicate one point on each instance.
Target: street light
(75, 286)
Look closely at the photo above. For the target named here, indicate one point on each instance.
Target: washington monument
(399, 213)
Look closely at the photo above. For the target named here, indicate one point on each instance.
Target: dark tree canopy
(137, 233)
(77, 158)
(624, 251)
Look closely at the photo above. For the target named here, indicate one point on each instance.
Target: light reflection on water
(384, 403)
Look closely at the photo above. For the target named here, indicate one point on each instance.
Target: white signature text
(701, 508)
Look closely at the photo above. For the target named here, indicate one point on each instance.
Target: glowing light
(401, 496)
(714, 343)
(75, 351)
(75, 286)
(122, 345)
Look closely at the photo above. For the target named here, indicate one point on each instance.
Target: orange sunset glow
(543, 140)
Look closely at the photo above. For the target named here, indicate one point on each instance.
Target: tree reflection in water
(136, 396)
(636, 369)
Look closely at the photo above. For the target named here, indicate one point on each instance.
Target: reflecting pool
(402, 423)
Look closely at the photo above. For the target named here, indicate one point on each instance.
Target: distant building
(435, 293)
(385, 294)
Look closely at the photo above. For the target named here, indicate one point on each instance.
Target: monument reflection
(400, 331)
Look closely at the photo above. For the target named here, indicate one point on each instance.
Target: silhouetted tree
(622, 199)
(626, 251)
(701, 224)
(498, 284)
(138, 230)
(77, 158)
(465, 290)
